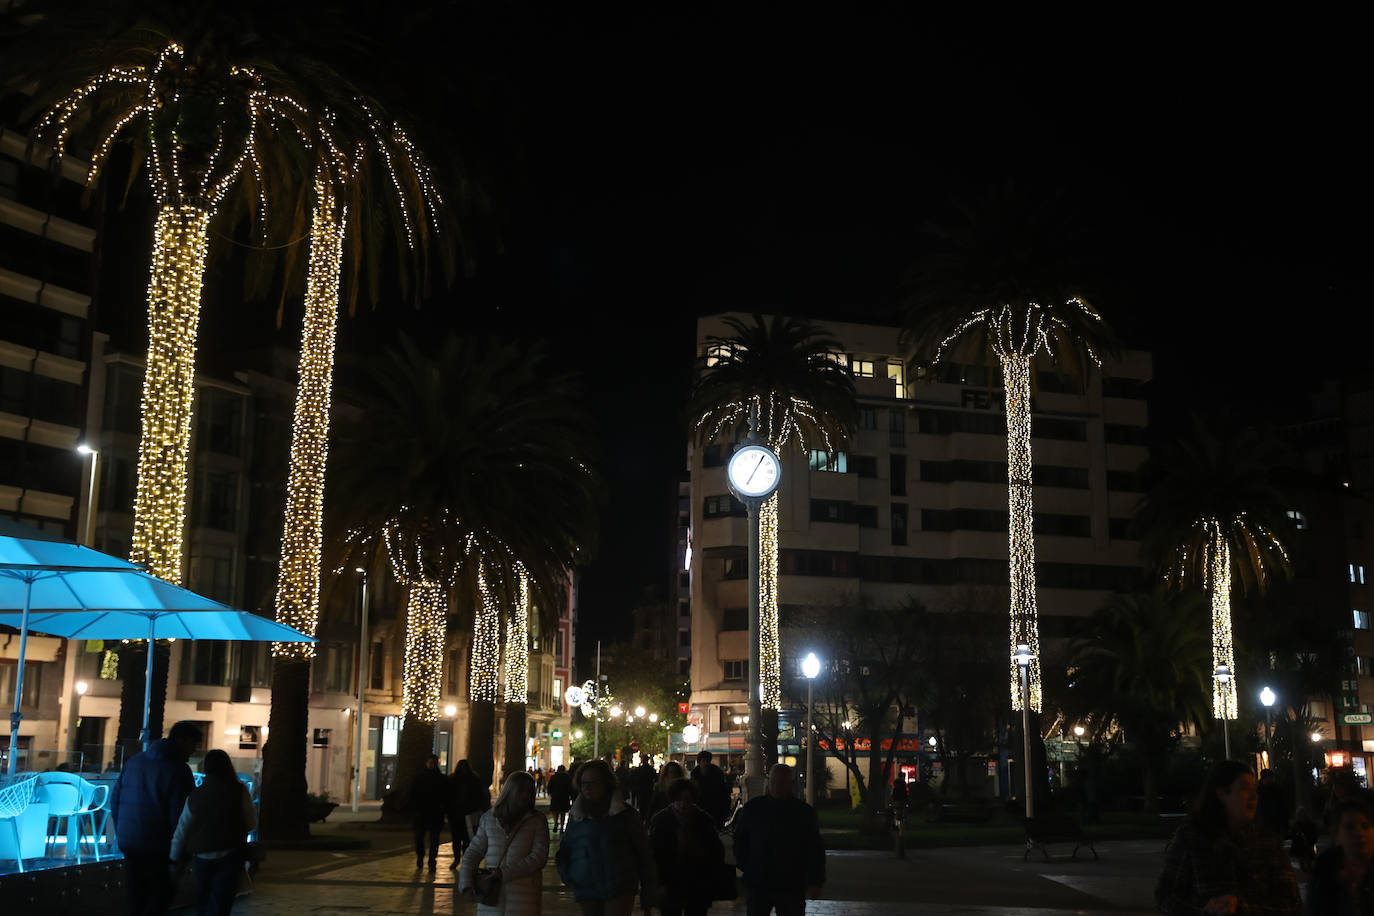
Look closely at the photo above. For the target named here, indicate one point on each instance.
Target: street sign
(682, 708)
(557, 733)
(1357, 718)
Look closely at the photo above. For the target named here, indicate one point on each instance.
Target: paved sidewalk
(970, 880)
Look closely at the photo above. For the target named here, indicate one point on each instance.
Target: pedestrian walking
(212, 830)
(687, 852)
(778, 847)
(1221, 860)
(668, 774)
(605, 855)
(1343, 879)
(642, 779)
(430, 799)
(560, 797)
(514, 843)
(459, 835)
(146, 804)
(622, 776)
(472, 797)
(539, 782)
(712, 788)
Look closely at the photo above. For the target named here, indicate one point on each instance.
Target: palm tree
(779, 376)
(1212, 515)
(467, 471)
(1140, 671)
(997, 285)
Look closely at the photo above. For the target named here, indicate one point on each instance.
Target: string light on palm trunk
(486, 643)
(1021, 525)
(1223, 655)
(517, 642)
(770, 660)
(426, 620)
(298, 581)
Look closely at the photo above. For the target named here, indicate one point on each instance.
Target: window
(338, 668)
(832, 510)
(733, 618)
(248, 737)
(206, 662)
(558, 658)
(868, 418)
(1298, 518)
(736, 669)
(837, 462)
(898, 524)
(896, 375)
(219, 500)
(717, 353)
(863, 465)
(723, 506)
(453, 673)
(684, 639)
(896, 428)
(557, 692)
(320, 738)
(1361, 620)
(33, 677)
(896, 469)
(684, 667)
(377, 678)
(863, 368)
(866, 516)
(734, 718)
(839, 359)
(736, 568)
(1356, 574)
(220, 421)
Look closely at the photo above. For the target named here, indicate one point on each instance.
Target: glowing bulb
(81, 688)
(1078, 731)
(639, 711)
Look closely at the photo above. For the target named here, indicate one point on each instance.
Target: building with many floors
(916, 505)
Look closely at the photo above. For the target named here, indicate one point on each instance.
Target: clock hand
(754, 471)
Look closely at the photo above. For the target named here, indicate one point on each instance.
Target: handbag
(486, 881)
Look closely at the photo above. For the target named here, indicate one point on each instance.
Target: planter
(315, 812)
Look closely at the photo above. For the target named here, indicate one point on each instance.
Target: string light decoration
(770, 654)
(486, 642)
(298, 576)
(199, 127)
(1219, 585)
(518, 642)
(426, 621)
(1016, 334)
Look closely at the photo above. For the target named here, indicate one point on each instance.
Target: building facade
(916, 506)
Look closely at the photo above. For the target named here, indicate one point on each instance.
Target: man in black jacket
(430, 798)
(778, 847)
(712, 788)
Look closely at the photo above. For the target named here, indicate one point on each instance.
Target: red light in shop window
(1339, 758)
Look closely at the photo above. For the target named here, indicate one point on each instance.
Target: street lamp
(615, 712)
(358, 773)
(691, 733)
(653, 717)
(1223, 676)
(92, 453)
(639, 712)
(1023, 658)
(811, 666)
(1267, 697)
(1078, 731)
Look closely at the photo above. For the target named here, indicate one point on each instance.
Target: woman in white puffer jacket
(514, 839)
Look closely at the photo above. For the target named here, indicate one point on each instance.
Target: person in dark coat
(604, 855)
(642, 779)
(670, 773)
(778, 847)
(430, 800)
(457, 817)
(560, 797)
(1273, 808)
(687, 851)
(712, 788)
(1343, 879)
(212, 830)
(146, 804)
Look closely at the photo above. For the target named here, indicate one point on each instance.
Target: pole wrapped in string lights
(1223, 653)
(486, 642)
(298, 577)
(518, 641)
(1016, 334)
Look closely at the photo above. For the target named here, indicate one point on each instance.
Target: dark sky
(650, 167)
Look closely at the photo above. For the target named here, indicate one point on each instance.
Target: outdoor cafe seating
(53, 815)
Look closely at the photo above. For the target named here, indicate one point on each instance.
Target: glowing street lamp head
(811, 665)
(691, 734)
(1078, 731)
(1023, 654)
(450, 710)
(639, 712)
(930, 740)
(1316, 737)
(653, 717)
(81, 688)
(1222, 674)
(578, 734)
(85, 449)
(1267, 697)
(615, 712)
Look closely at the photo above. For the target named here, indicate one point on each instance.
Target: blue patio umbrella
(64, 589)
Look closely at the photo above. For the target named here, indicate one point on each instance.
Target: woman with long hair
(213, 830)
(1221, 861)
(514, 841)
(668, 774)
(605, 855)
(687, 851)
(1343, 878)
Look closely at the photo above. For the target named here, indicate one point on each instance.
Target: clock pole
(753, 756)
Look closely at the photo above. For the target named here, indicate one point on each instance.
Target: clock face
(754, 471)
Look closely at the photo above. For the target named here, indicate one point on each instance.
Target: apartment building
(916, 505)
(49, 259)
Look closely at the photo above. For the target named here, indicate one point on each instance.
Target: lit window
(718, 352)
(1299, 520)
(896, 376)
(839, 359)
(1356, 574)
(863, 368)
(837, 462)
(1361, 620)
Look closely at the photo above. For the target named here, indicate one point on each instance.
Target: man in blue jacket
(145, 804)
(778, 847)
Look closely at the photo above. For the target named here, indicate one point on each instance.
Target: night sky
(652, 167)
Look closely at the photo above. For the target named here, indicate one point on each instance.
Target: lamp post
(1223, 677)
(811, 666)
(358, 772)
(1267, 697)
(1023, 658)
(93, 454)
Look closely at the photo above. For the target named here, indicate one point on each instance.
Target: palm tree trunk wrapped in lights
(517, 673)
(484, 678)
(1223, 653)
(180, 241)
(1021, 525)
